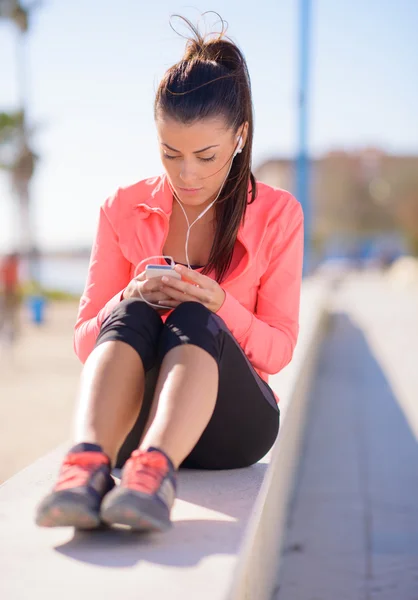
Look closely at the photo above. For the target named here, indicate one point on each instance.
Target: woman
(9, 297)
(176, 370)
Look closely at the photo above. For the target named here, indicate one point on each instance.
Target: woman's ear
(243, 132)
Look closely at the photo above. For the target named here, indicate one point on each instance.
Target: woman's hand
(149, 288)
(199, 288)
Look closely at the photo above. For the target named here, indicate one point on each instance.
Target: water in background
(63, 274)
(69, 274)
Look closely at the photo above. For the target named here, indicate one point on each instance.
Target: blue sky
(94, 66)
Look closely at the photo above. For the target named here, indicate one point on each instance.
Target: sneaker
(83, 481)
(146, 494)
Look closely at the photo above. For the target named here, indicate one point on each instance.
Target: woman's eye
(207, 159)
(170, 157)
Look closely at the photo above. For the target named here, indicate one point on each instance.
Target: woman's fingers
(153, 296)
(194, 276)
(181, 296)
(141, 276)
(151, 286)
(173, 303)
(203, 288)
(156, 297)
(170, 291)
(178, 289)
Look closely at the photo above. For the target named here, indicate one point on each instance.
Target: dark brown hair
(212, 80)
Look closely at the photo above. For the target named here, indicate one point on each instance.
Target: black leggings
(245, 421)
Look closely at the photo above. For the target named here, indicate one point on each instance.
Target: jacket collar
(160, 200)
(160, 196)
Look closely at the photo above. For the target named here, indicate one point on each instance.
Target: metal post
(302, 159)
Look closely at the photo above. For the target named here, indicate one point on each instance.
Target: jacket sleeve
(108, 275)
(268, 337)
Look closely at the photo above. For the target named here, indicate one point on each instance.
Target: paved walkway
(353, 526)
(38, 388)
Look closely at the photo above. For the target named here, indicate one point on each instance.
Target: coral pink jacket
(261, 307)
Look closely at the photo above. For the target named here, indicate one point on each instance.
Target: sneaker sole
(67, 514)
(122, 512)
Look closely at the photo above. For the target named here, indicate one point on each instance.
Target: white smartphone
(160, 270)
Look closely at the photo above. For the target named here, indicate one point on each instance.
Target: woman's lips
(190, 190)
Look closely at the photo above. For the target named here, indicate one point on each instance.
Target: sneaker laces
(144, 471)
(77, 468)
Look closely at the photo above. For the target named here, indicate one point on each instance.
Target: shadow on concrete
(190, 540)
(353, 524)
(232, 488)
(185, 545)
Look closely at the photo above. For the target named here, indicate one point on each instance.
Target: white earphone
(190, 225)
(239, 148)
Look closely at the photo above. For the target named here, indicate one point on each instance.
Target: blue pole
(302, 159)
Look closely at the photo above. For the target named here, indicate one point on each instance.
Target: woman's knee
(134, 306)
(131, 312)
(191, 323)
(190, 312)
(135, 323)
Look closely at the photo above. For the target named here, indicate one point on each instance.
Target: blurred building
(361, 196)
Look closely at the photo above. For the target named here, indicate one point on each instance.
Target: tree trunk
(26, 239)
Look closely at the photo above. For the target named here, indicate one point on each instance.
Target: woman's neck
(193, 212)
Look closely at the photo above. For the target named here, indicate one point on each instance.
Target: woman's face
(196, 157)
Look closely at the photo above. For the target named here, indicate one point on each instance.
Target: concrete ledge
(259, 558)
(228, 525)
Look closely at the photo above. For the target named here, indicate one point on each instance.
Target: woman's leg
(245, 422)
(183, 404)
(112, 382)
(111, 393)
(230, 411)
(210, 409)
(184, 401)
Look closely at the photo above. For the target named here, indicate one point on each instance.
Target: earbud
(239, 148)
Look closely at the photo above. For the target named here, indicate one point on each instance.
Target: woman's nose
(187, 173)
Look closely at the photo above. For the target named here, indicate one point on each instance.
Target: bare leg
(183, 403)
(111, 392)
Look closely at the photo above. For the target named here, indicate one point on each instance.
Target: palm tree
(16, 155)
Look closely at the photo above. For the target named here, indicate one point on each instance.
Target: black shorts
(245, 421)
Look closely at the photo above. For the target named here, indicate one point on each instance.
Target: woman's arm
(269, 336)
(108, 275)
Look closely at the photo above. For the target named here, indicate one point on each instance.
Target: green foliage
(18, 14)
(11, 124)
(413, 245)
(31, 288)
